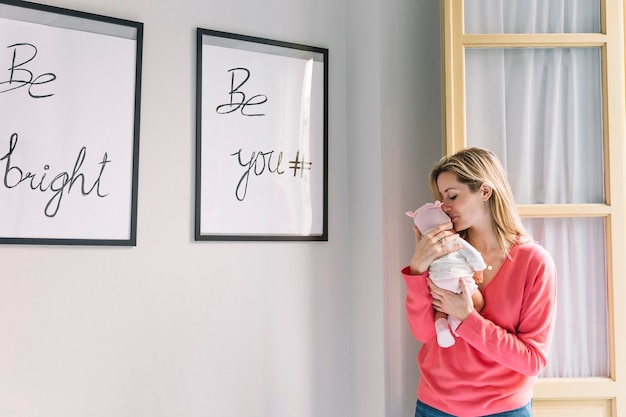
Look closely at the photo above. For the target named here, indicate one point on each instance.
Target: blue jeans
(423, 410)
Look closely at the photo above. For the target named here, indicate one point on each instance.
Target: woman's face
(465, 208)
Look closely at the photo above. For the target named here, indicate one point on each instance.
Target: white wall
(364, 201)
(412, 142)
(394, 112)
(175, 328)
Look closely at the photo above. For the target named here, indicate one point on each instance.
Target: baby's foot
(444, 335)
(445, 339)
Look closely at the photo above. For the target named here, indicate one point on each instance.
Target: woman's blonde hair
(475, 167)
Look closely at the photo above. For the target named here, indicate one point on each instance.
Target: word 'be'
(238, 99)
(20, 76)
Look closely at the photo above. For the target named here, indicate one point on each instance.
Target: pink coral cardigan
(498, 353)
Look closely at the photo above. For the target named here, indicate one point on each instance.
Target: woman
(498, 354)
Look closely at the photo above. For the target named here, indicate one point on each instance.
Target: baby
(445, 272)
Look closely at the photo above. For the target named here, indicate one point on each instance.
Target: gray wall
(394, 112)
(175, 328)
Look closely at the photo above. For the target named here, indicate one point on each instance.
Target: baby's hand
(478, 277)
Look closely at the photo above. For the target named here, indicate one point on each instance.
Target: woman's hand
(459, 306)
(432, 246)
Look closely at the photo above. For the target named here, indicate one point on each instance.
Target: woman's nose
(446, 208)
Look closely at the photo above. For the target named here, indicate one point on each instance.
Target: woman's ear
(486, 190)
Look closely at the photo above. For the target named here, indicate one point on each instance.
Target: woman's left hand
(459, 306)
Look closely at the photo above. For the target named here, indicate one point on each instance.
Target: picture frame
(69, 144)
(261, 139)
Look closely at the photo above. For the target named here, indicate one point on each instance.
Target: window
(541, 83)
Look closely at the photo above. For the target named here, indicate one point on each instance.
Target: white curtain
(540, 111)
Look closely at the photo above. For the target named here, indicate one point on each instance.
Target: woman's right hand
(432, 246)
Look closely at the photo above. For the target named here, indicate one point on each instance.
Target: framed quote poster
(69, 136)
(261, 139)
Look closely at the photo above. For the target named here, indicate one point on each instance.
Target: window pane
(580, 343)
(532, 16)
(540, 111)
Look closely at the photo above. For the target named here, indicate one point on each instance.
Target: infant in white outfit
(446, 271)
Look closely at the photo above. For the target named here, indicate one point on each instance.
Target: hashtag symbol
(298, 164)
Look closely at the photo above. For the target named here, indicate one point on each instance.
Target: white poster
(68, 133)
(261, 163)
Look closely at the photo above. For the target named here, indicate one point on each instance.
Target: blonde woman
(492, 367)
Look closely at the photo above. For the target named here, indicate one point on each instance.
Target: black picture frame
(261, 139)
(70, 166)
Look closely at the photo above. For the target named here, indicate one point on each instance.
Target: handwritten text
(62, 183)
(261, 162)
(238, 100)
(20, 76)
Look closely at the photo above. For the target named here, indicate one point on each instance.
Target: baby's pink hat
(428, 216)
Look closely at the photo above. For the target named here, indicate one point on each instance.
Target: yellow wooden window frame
(563, 391)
